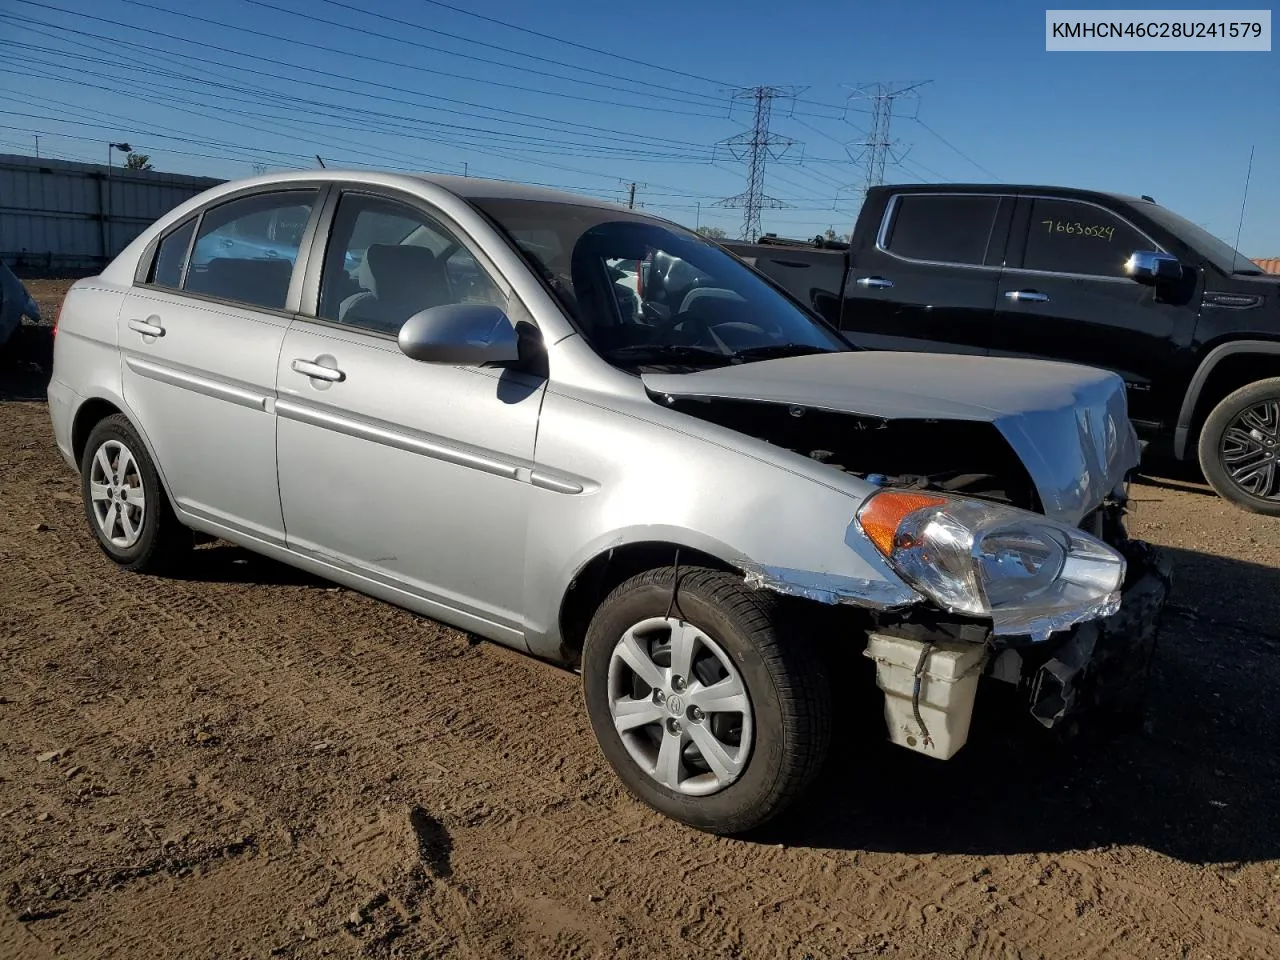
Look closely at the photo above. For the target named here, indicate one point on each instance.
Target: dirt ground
(250, 763)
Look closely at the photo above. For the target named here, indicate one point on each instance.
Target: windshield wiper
(668, 353)
(774, 350)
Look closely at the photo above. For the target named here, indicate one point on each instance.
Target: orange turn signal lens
(884, 512)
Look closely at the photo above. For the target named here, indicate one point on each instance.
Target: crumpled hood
(1068, 424)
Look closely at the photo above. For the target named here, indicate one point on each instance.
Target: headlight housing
(1029, 574)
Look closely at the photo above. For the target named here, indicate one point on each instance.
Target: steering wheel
(701, 333)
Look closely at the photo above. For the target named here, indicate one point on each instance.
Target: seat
(398, 281)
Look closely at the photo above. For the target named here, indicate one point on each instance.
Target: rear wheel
(710, 708)
(1240, 447)
(125, 505)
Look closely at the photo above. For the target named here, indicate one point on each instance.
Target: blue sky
(384, 84)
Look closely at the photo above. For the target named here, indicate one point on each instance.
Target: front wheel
(1240, 447)
(711, 708)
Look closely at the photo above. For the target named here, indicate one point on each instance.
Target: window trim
(891, 208)
(309, 295)
(1033, 271)
(321, 188)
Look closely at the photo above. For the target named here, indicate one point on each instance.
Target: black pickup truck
(1101, 279)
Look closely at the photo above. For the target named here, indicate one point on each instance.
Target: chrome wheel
(1250, 450)
(680, 706)
(115, 490)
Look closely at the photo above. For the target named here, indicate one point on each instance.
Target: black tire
(780, 667)
(1213, 439)
(163, 542)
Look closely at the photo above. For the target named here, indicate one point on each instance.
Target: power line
(187, 59)
(756, 147)
(572, 43)
(649, 107)
(463, 39)
(960, 152)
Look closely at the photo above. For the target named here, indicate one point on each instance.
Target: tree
(832, 235)
(712, 233)
(138, 161)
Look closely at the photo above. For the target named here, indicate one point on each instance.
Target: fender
(118, 402)
(1182, 435)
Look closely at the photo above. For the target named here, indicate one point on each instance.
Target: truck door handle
(318, 372)
(875, 283)
(1033, 296)
(146, 327)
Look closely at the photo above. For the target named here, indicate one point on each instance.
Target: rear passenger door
(927, 281)
(200, 334)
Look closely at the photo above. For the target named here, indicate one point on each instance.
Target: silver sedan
(591, 435)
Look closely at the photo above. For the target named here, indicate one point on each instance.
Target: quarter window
(387, 261)
(172, 255)
(246, 248)
(945, 229)
(1069, 237)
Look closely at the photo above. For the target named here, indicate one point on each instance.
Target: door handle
(146, 327)
(1032, 296)
(875, 283)
(317, 371)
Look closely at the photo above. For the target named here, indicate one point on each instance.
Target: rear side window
(945, 229)
(1069, 237)
(245, 249)
(172, 255)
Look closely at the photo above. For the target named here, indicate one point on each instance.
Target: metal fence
(57, 216)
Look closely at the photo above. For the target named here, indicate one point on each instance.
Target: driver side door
(412, 475)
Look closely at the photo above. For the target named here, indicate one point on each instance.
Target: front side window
(645, 293)
(387, 261)
(166, 271)
(1069, 237)
(246, 248)
(944, 229)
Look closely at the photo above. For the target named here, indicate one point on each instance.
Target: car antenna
(321, 162)
(1235, 252)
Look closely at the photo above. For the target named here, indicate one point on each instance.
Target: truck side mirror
(1152, 267)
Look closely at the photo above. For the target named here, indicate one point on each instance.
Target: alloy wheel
(1250, 450)
(116, 492)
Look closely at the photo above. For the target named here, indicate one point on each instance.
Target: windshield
(644, 293)
(1221, 254)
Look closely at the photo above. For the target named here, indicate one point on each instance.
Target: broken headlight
(1029, 574)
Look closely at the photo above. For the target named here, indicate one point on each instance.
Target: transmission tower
(756, 147)
(879, 146)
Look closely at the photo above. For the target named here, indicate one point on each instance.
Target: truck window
(945, 229)
(1069, 237)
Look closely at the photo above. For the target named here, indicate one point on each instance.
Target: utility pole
(464, 169)
(878, 145)
(37, 146)
(631, 192)
(755, 148)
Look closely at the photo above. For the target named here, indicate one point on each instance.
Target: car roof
(1012, 188)
(468, 188)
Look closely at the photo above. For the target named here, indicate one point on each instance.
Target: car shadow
(26, 363)
(221, 562)
(1200, 781)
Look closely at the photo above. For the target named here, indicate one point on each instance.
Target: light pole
(122, 147)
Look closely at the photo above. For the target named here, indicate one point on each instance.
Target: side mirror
(1150, 266)
(461, 333)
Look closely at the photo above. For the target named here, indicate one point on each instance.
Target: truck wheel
(1240, 447)
(718, 714)
(124, 503)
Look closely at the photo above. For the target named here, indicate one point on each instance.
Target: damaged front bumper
(1102, 665)
(930, 681)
